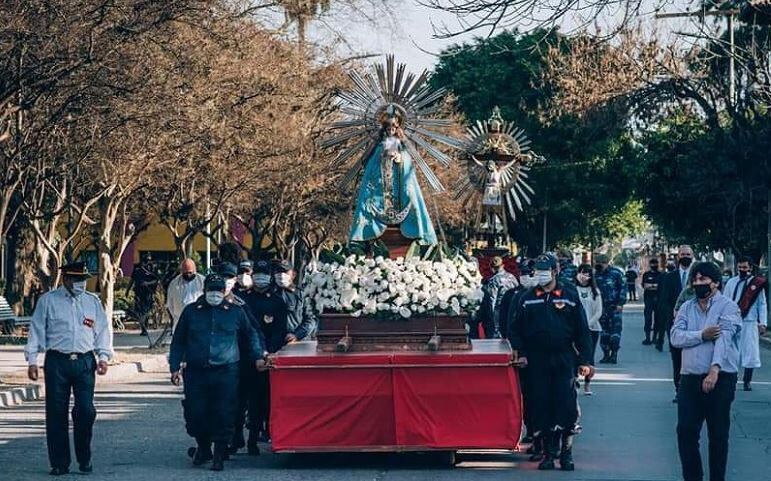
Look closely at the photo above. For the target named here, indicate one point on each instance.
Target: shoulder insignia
(559, 304)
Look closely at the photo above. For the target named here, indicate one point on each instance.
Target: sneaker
(613, 358)
(647, 342)
(547, 464)
(566, 461)
(747, 386)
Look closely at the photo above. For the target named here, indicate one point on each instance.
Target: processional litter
(393, 364)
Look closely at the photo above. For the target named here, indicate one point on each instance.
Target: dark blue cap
(214, 282)
(545, 262)
(244, 266)
(227, 269)
(262, 267)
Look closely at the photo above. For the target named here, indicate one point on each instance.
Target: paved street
(628, 435)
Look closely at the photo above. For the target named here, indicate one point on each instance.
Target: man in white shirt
(69, 324)
(184, 289)
(747, 291)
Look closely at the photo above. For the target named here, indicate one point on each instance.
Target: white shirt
(759, 309)
(69, 324)
(592, 307)
(181, 293)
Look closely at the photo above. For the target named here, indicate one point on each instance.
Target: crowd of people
(555, 314)
(225, 324)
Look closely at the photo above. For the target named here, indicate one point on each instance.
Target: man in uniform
(495, 289)
(297, 324)
(612, 287)
(747, 291)
(211, 337)
(269, 310)
(145, 282)
(568, 270)
(549, 330)
(70, 326)
(650, 284)
(244, 278)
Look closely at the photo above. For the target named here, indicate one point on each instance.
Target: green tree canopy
(583, 180)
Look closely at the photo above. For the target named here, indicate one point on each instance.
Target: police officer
(145, 282)
(296, 324)
(70, 326)
(246, 375)
(269, 310)
(612, 287)
(650, 284)
(211, 337)
(567, 269)
(495, 289)
(549, 329)
(243, 279)
(526, 281)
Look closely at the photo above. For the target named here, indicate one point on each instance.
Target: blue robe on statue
(367, 224)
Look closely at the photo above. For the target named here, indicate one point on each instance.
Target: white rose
(404, 312)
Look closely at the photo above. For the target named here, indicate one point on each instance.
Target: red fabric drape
(410, 401)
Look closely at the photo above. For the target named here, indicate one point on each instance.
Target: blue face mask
(215, 298)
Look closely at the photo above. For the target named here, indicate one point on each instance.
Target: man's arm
(37, 332)
(680, 336)
(102, 333)
(251, 337)
(307, 323)
(178, 344)
(762, 307)
(623, 291)
(730, 323)
(515, 330)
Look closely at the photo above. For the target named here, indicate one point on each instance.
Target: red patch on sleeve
(88, 322)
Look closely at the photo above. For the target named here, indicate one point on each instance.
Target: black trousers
(211, 402)
(695, 407)
(551, 391)
(632, 291)
(650, 314)
(64, 375)
(259, 403)
(677, 364)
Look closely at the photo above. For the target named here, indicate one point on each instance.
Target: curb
(16, 396)
(127, 370)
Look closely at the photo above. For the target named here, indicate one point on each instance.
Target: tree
(583, 177)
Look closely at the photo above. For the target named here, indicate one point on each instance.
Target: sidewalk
(132, 357)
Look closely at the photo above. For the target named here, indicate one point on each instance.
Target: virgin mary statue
(389, 193)
(387, 127)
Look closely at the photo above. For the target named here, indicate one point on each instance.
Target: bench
(7, 317)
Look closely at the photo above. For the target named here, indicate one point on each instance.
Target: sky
(410, 34)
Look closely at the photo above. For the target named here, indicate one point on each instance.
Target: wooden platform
(345, 333)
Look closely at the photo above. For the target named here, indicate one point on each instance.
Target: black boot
(237, 442)
(605, 357)
(251, 447)
(201, 454)
(613, 357)
(747, 378)
(647, 341)
(550, 448)
(566, 454)
(218, 461)
(536, 449)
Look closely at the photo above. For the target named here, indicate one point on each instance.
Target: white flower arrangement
(393, 287)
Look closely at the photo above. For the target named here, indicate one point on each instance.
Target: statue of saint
(389, 193)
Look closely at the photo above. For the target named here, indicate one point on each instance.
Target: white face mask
(283, 279)
(261, 280)
(543, 278)
(215, 298)
(229, 285)
(78, 288)
(528, 281)
(245, 280)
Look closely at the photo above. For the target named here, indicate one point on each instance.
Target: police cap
(262, 267)
(545, 262)
(214, 282)
(227, 269)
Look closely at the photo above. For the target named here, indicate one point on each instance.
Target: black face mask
(685, 262)
(702, 291)
(654, 267)
(188, 276)
(744, 275)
